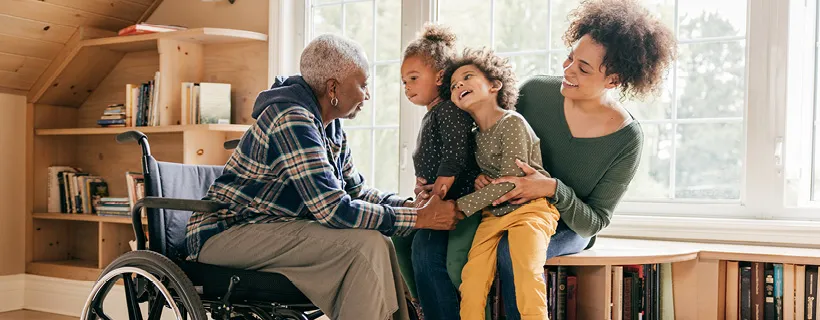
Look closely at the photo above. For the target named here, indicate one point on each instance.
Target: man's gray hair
(330, 56)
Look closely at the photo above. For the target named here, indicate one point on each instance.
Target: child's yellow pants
(529, 230)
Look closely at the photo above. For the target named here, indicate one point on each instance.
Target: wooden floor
(33, 315)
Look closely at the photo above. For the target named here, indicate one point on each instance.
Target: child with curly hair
(484, 85)
(444, 156)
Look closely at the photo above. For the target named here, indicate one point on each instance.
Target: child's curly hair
(435, 44)
(493, 67)
(639, 48)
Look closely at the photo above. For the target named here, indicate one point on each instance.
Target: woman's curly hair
(639, 48)
(493, 67)
(435, 44)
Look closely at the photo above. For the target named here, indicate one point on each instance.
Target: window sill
(741, 231)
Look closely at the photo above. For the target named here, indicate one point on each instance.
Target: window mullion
(413, 15)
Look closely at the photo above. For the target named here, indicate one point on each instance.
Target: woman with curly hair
(590, 144)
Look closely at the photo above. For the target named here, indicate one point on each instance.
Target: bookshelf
(92, 74)
(699, 281)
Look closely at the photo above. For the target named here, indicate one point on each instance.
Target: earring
(334, 102)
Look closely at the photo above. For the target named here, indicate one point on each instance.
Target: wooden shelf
(83, 217)
(67, 269)
(145, 42)
(157, 129)
(80, 68)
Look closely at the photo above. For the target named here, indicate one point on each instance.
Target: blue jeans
(437, 294)
(564, 242)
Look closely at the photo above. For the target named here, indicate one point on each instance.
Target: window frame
(760, 215)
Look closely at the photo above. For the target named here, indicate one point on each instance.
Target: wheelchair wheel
(147, 277)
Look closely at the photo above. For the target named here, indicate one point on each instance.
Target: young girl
(483, 84)
(444, 155)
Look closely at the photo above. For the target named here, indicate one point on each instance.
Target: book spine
(811, 292)
(561, 305)
(745, 293)
(778, 291)
(768, 305)
(758, 287)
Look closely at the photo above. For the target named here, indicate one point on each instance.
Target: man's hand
(438, 215)
(482, 181)
(533, 185)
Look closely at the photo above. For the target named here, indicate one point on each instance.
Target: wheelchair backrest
(166, 228)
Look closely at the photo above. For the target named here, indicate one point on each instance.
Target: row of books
(642, 292)
(639, 292)
(771, 291)
(142, 103)
(70, 190)
(206, 102)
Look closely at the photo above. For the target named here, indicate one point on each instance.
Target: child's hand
(482, 181)
(422, 189)
(442, 185)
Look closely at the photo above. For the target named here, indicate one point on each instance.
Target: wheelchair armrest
(183, 204)
(170, 204)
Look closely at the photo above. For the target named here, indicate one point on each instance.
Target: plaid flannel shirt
(287, 167)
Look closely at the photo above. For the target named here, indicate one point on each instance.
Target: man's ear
(497, 85)
(440, 77)
(612, 81)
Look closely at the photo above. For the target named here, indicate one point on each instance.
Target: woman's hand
(532, 185)
(482, 181)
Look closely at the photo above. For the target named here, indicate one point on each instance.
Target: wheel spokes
(134, 311)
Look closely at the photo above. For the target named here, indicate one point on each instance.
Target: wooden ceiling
(34, 32)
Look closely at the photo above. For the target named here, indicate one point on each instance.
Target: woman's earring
(334, 102)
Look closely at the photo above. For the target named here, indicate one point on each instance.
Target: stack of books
(109, 206)
(115, 115)
(206, 102)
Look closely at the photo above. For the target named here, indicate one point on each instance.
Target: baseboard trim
(67, 297)
(12, 288)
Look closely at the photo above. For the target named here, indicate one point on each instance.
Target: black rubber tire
(159, 266)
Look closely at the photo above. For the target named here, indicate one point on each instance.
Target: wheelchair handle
(129, 136)
(141, 138)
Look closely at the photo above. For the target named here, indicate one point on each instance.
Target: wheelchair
(160, 278)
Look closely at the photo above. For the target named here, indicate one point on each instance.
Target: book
(214, 103)
(788, 292)
(732, 289)
(745, 292)
(811, 292)
(799, 292)
(144, 28)
(758, 290)
(768, 294)
(54, 187)
(778, 291)
(617, 292)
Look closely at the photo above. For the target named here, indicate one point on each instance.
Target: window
(694, 142)
(374, 134)
(731, 135)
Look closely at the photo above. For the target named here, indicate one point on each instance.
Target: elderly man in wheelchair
(286, 227)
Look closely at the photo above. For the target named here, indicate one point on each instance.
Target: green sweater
(592, 173)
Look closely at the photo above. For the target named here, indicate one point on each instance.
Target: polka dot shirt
(445, 148)
(496, 150)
